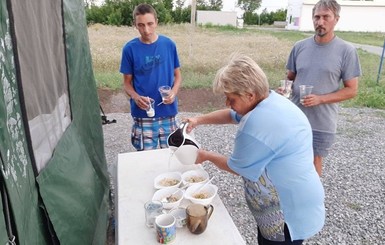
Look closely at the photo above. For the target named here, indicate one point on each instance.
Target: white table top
(135, 185)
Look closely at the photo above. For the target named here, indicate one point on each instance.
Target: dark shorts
(148, 133)
(322, 142)
(263, 241)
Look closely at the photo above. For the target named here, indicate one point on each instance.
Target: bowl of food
(169, 197)
(197, 176)
(199, 195)
(167, 180)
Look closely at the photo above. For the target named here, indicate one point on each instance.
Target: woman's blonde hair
(240, 76)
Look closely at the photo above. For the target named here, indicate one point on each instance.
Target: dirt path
(190, 100)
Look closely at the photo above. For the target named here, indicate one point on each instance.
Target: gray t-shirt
(325, 66)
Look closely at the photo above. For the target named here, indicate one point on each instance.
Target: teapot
(183, 145)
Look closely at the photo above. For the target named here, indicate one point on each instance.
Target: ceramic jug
(183, 145)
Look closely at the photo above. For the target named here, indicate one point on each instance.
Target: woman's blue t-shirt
(276, 138)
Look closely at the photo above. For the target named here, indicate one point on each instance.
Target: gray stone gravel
(353, 176)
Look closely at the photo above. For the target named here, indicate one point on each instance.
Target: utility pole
(193, 11)
(192, 21)
(382, 59)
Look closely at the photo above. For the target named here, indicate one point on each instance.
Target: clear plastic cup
(164, 92)
(152, 209)
(304, 90)
(150, 109)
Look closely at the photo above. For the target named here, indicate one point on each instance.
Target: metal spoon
(167, 198)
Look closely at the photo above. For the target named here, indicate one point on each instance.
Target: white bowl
(167, 180)
(161, 194)
(207, 194)
(197, 176)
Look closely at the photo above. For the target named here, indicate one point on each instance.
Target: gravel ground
(353, 176)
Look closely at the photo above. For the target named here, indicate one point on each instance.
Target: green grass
(193, 79)
(210, 45)
(370, 38)
(107, 79)
(370, 94)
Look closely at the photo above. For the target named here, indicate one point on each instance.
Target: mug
(180, 216)
(165, 225)
(198, 216)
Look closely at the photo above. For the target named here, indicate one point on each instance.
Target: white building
(221, 18)
(358, 15)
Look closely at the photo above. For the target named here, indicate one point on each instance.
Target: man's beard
(320, 32)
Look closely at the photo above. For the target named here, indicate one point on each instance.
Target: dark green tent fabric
(79, 158)
(16, 164)
(3, 231)
(72, 191)
(73, 186)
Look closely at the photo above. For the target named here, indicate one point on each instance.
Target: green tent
(54, 182)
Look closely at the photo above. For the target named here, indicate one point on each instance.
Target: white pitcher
(184, 146)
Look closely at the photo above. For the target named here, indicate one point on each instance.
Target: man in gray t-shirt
(326, 62)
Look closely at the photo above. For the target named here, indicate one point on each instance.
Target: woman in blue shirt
(272, 152)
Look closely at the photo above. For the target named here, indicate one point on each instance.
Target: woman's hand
(192, 123)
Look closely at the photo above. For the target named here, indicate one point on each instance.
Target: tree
(168, 4)
(249, 5)
(201, 5)
(216, 4)
(280, 15)
(179, 3)
(250, 18)
(164, 14)
(181, 15)
(209, 4)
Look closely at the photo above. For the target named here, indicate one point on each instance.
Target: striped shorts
(147, 133)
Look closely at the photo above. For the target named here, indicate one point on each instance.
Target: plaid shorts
(147, 133)
(322, 142)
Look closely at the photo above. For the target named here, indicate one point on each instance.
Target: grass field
(202, 50)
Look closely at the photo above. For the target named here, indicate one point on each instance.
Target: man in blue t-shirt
(149, 62)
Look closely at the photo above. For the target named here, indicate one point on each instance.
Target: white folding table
(135, 186)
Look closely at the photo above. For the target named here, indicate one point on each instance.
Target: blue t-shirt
(151, 65)
(275, 140)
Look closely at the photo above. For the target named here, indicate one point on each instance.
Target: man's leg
(144, 134)
(321, 144)
(318, 164)
(167, 126)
